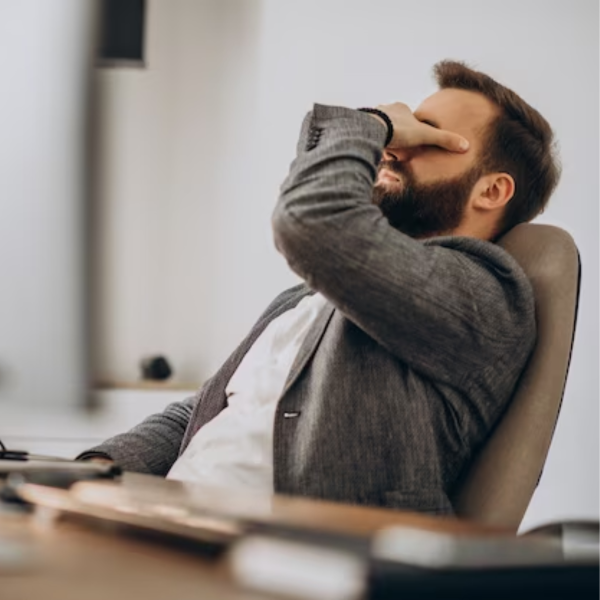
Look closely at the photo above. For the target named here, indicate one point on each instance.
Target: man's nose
(398, 154)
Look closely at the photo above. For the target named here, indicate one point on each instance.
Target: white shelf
(67, 433)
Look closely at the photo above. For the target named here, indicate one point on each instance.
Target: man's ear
(493, 191)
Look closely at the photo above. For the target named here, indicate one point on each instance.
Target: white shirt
(235, 449)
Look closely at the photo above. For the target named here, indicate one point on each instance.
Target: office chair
(498, 485)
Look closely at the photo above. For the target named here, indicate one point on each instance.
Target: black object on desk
(393, 580)
(62, 474)
(428, 564)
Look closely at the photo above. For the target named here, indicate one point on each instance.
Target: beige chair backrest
(502, 478)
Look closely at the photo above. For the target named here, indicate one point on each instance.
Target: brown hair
(521, 143)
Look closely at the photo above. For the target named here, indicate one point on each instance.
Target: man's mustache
(395, 166)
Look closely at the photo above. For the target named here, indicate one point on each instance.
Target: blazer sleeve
(444, 308)
(152, 446)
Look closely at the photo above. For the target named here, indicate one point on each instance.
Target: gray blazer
(408, 366)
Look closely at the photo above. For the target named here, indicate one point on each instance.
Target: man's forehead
(461, 111)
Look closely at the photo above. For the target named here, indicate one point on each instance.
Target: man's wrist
(383, 119)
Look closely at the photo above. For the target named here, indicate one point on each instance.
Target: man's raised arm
(436, 306)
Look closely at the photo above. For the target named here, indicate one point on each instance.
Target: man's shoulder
(487, 256)
(501, 292)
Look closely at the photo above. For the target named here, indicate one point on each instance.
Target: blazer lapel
(211, 399)
(309, 345)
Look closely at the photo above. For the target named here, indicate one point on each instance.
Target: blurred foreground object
(283, 547)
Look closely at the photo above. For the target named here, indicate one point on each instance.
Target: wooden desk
(68, 561)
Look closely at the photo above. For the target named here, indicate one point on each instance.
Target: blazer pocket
(429, 501)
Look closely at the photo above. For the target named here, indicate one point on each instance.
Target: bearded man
(376, 380)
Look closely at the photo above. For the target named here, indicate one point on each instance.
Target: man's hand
(409, 132)
(100, 460)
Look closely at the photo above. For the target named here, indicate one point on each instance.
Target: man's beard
(424, 210)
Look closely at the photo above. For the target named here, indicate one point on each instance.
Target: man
(377, 380)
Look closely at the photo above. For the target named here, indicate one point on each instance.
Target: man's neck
(475, 229)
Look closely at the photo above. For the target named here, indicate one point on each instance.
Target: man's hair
(521, 143)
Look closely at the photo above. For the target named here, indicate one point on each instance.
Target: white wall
(196, 145)
(67, 433)
(180, 247)
(45, 65)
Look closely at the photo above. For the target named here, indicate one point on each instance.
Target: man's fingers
(446, 139)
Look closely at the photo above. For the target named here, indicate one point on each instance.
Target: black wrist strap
(385, 118)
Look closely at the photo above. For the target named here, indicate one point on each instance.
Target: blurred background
(138, 186)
